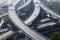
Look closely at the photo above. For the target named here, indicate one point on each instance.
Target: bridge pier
(15, 37)
(50, 17)
(4, 39)
(26, 38)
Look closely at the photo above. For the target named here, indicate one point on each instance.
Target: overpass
(29, 32)
(49, 10)
(19, 23)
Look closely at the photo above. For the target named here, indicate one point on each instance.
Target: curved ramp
(2, 21)
(20, 25)
(29, 32)
(28, 1)
(15, 19)
(23, 27)
(35, 13)
(48, 10)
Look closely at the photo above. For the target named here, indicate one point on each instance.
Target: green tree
(55, 36)
(7, 20)
(54, 6)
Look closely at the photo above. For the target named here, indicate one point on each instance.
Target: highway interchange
(20, 25)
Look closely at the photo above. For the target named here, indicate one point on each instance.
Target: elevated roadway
(34, 14)
(20, 25)
(2, 21)
(49, 10)
(29, 32)
(24, 28)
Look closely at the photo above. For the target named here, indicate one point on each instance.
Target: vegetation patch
(53, 5)
(55, 36)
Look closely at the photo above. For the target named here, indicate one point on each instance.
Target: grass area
(7, 20)
(55, 36)
(54, 6)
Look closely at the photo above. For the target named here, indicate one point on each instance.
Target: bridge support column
(26, 38)
(15, 37)
(3, 39)
(50, 17)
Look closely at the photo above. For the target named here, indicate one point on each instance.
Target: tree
(55, 36)
(54, 6)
